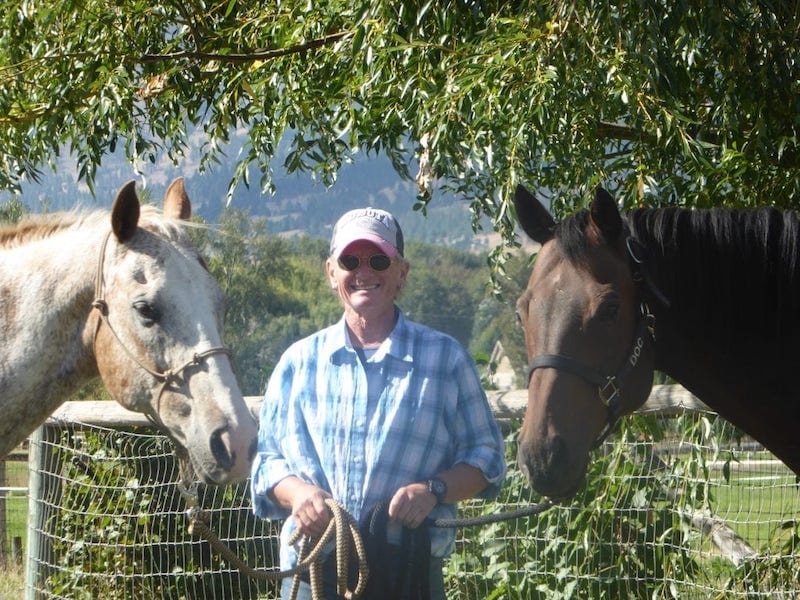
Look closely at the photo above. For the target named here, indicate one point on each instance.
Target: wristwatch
(438, 488)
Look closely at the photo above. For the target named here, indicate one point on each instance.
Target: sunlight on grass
(12, 581)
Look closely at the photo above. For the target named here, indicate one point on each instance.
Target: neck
(369, 331)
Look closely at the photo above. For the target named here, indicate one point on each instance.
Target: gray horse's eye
(147, 312)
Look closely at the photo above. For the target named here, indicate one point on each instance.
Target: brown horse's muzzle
(552, 468)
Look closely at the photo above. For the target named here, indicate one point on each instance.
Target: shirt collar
(338, 344)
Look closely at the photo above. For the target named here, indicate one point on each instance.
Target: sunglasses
(377, 262)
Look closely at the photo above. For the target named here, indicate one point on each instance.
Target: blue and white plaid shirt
(361, 432)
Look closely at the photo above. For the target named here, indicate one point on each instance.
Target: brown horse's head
(586, 337)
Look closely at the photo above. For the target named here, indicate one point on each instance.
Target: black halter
(609, 387)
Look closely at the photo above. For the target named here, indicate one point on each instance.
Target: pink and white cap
(370, 224)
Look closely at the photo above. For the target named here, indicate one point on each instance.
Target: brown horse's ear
(125, 212)
(176, 201)
(605, 215)
(534, 218)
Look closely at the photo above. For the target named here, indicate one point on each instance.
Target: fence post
(40, 457)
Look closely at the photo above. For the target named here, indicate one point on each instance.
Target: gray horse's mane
(37, 227)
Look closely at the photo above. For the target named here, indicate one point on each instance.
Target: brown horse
(126, 296)
(709, 297)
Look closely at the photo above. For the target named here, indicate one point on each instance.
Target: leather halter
(609, 387)
(165, 377)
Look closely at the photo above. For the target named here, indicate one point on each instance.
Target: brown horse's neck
(731, 332)
(758, 396)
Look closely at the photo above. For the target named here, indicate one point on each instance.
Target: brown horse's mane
(733, 272)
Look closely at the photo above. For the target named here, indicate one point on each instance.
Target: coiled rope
(344, 528)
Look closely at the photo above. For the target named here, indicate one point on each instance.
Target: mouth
(190, 470)
(364, 288)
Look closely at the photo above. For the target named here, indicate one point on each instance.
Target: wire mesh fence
(673, 508)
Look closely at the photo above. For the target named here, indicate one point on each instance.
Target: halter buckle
(609, 391)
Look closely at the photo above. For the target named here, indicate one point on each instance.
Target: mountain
(299, 206)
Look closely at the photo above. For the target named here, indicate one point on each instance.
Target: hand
(309, 510)
(411, 505)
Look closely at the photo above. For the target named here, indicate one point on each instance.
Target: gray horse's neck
(47, 293)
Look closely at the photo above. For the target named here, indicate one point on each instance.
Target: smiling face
(365, 292)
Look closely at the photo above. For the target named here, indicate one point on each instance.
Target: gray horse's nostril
(220, 450)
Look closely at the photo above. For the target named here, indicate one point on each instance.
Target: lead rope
(310, 558)
(342, 526)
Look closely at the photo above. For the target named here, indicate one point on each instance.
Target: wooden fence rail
(510, 404)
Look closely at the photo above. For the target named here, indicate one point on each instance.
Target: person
(374, 410)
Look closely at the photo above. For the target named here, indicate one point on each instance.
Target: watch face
(438, 488)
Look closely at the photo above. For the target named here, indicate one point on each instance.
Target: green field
(758, 498)
(12, 575)
(16, 502)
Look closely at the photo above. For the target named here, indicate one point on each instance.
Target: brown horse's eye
(608, 310)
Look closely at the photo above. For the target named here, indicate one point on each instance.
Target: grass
(12, 575)
(16, 502)
(768, 492)
(12, 581)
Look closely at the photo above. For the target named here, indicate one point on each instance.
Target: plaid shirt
(363, 431)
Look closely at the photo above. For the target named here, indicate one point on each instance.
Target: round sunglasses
(377, 262)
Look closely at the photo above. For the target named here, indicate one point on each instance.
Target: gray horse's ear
(605, 215)
(176, 201)
(125, 212)
(533, 217)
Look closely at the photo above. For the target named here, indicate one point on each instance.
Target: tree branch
(621, 132)
(250, 56)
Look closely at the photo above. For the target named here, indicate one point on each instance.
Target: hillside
(299, 206)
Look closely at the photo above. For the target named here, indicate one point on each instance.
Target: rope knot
(100, 305)
(198, 518)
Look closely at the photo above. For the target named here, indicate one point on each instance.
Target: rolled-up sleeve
(270, 466)
(479, 441)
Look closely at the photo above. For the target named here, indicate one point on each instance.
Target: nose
(546, 465)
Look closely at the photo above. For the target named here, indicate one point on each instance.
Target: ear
(330, 273)
(533, 217)
(125, 212)
(176, 201)
(605, 215)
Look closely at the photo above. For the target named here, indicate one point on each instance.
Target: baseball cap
(371, 224)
